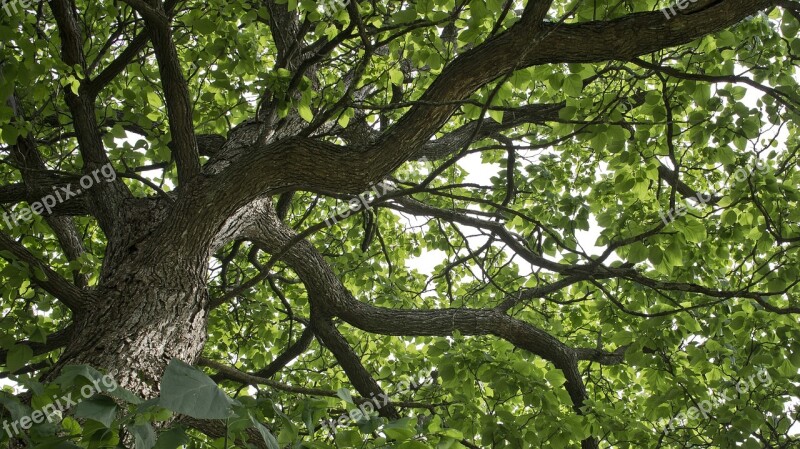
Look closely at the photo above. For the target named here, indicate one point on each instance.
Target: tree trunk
(149, 309)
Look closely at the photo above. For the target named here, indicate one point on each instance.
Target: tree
(608, 191)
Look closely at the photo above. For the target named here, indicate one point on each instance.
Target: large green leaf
(18, 356)
(100, 408)
(172, 439)
(144, 435)
(272, 443)
(188, 391)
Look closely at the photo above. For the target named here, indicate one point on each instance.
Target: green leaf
(153, 99)
(188, 391)
(305, 112)
(404, 16)
(396, 76)
(143, 435)
(776, 285)
(453, 433)
(694, 231)
(125, 395)
(567, 112)
(794, 357)
(272, 443)
(402, 429)
(673, 255)
(789, 25)
(624, 184)
(9, 134)
(77, 375)
(573, 85)
(18, 356)
(204, 25)
(172, 439)
(496, 115)
(555, 377)
(100, 408)
(13, 405)
(348, 438)
(344, 394)
(637, 253)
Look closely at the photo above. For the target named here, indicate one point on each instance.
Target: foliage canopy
(580, 222)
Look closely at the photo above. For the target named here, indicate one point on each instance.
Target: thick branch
(322, 283)
(16, 193)
(687, 192)
(319, 166)
(81, 107)
(176, 91)
(364, 383)
(150, 13)
(602, 357)
(119, 64)
(105, 195)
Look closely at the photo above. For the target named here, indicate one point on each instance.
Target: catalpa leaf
(188, 391)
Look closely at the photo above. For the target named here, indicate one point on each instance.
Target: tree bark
(150, 309)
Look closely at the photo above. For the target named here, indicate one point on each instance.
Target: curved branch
(334, 299)
(81, 106)
(334, 341)
(782, 98)
(27, 156)
(19, 192)
(303, 163)
(56, 340)
(44, 276)
(291, 353)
